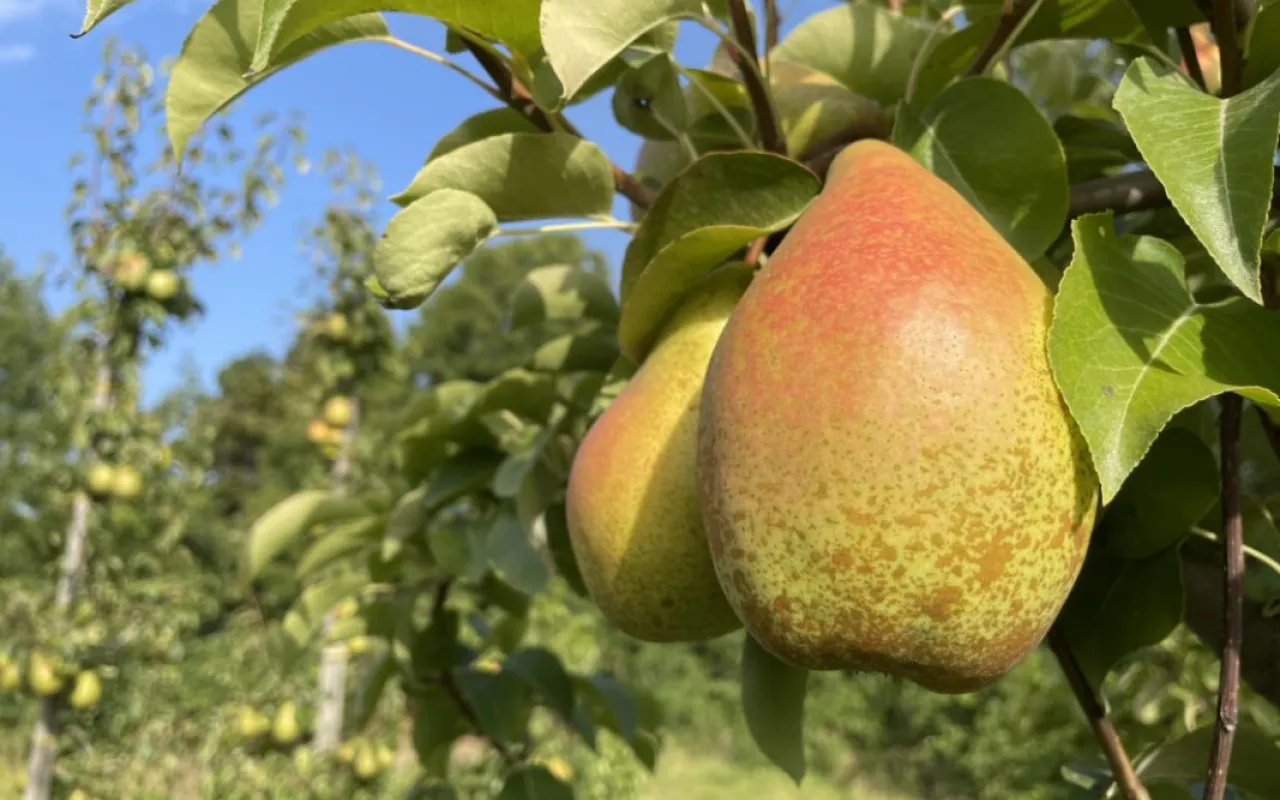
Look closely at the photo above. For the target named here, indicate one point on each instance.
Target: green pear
(632, 499)
(890, 479)
(87, 690)
(285, 729)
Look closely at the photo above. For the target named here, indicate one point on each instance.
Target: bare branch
(1010, 19)
(1188, 47)
(1099, 721)
(1226, 34)
(761, 102)
(1132, 191)
(1233, 609)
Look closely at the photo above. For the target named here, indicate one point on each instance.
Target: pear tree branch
(517, 96)
(1188, 47)
(745, 54)
(1011, 17)
(1099, 721)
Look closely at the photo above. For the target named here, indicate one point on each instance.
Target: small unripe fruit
(77, 794)
(336, 327)
(126, 484)
(285, 730)
(250, 723)
(43, 676)
(163, 284)
(101, 477)
(386, 756)
(559, 769)
(358, 645)
(10, 675)
(131, 271)
(302, 760)
(87, 691)
(334, 437)
(337, 412)
(366, 766)
(317, 431)
(346, 752)
(347, 608)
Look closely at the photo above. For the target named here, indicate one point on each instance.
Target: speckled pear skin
(890, 479)
(632, 500)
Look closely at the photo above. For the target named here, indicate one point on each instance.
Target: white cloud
(17, 9)
(16, 53)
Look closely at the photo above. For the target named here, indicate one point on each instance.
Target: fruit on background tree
(1134, 180)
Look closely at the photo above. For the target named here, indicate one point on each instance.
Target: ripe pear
(632, 498)
(42, 675)
(250, 723)
(100, 479)
(87, 691)
(318, 431)
(346, 752)
(163, 284)
(285, 729)
(126, 483)
(366, 764)
(337, 412)
(890, 479)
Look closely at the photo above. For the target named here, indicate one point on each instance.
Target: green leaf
(369, 692)
(1262, 45)
(582, 38)
(814, 108)
(513, 555)
(1120, 606)
(425, 241)
(1093, 146)
(530, 782)
(1213, 156)
(408, 520)
(559, 293)
(95, 11)
(436, 721)
(773, 695)
(1253, 760)
(288, 519)
(526, 394)
(542, 670)
(987, 140)
(710, 211)
(210, 71)
(561, 548)
(649, 100)
(1168, 493)
(450, 546)
(867, 48)
(523, 176)
(511, 22)
(593, 351)
(502, 702)
(609, 704)
(478, 127)
(466, 472)
(318, 600)
(1130, 346)
(435, 647)
(342, 541)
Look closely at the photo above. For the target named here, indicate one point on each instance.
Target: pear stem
(517, 96)
(1099, 721)
(757, 90)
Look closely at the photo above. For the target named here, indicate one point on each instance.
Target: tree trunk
(44, 741)
(332, 684)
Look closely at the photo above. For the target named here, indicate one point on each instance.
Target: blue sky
(388, 105)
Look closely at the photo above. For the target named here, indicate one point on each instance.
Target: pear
(126, 483)
(131, 270)
(285, 729)
(337, 412)
(318, 431)
(163, 284)
(100, 479)
(250, 723)
(386, 756)
(632, 498)
(337, 327)
(358, 645)
(10, 675)
(366, 764)
(43, 676)
(87, 690)
(890, 480)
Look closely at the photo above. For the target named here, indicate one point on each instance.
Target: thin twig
(1131, 191)
(1226, 34)
(1254, 553)
(757, 90)
(1188, 47)
(772, 27)
(1010, 19)
(515, 95)
(444, 62)
(1099, 721)
(1233, 607)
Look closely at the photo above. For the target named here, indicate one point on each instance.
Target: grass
(691, 776)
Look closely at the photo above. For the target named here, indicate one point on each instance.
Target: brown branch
(517, 97)
(1233, 609)
(1132, 191)
(1188, 47)
(1099, 721)
(757, 91)
(1226, 33)
(1010, 17)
